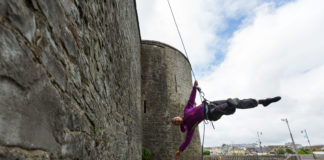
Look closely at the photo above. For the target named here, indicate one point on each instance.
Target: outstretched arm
(185, 143)
(192, 97)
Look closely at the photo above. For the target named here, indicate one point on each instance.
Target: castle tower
(166, 86)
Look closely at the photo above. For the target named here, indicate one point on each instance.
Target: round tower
(166, 86)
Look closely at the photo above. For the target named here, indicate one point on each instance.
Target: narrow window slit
(144, 106)
(176, 85)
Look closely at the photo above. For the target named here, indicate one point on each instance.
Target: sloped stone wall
(166, 86)
(69, 80)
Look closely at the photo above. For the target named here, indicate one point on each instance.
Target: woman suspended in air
(212, 111)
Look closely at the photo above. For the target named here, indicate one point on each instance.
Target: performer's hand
(177, 154)
(196, 83)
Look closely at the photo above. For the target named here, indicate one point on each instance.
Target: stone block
(29, 105)
(20, 16)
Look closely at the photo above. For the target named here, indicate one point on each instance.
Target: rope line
(193, 74)
(184, 48)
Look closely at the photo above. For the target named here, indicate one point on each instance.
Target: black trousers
(216, 109)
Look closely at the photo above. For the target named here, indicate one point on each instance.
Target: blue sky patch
(232, 25)
(279, 3)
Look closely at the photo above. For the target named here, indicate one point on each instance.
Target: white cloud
(279, 53)
(198, 23)
(276, 51)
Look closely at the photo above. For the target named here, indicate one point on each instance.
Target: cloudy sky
(250, 48)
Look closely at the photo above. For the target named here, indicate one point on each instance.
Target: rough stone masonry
(166, 86)
(70, 80)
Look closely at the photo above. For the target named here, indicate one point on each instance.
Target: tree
(146, 154)
(304, 151)
(280, 151)
(206, 152)
(288, 150)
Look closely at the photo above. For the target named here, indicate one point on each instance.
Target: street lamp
(291, 136)
(260, 133)
(310, 146)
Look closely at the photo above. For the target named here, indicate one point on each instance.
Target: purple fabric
(191, 118)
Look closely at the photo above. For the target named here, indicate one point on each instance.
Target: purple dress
(191, 118)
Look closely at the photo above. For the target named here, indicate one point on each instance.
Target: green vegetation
(280, 151)
(318, 149)
(146, 154)
(304, 151)
(289, 151)
(206, 152)
(95, 131)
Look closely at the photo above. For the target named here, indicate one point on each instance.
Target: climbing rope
(184, 48)
(201, 94)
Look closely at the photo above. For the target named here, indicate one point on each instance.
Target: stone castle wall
(166, 86)
(70, 83)
(69, 80)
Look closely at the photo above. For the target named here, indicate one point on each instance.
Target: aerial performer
(212, 111)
